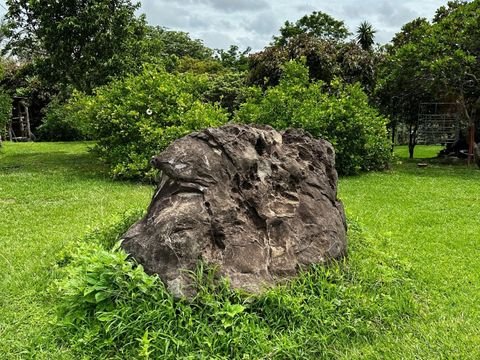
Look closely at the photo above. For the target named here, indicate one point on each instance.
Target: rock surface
(257, 203)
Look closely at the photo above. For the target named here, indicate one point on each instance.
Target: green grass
(420, 151)
(51, 195)
(430, 217)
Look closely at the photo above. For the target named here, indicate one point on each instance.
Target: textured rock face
(258, 203)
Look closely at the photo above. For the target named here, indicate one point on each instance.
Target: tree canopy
(79, 43)
(318, 24)
(365, 35)
(437, 61)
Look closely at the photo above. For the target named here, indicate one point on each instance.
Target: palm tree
(366, 35)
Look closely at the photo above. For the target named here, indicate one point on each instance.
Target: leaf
(101, 296)
(233, 310)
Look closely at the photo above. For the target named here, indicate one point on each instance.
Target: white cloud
(253, 23)
(221, 23)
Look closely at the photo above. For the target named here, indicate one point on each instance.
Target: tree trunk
(412, 141)
(394, 132)
(476, 154)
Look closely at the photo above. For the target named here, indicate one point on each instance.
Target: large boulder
(256, 203)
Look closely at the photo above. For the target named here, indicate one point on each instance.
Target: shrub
(340, 115)
(139, 116)
(5, 112)
(66, 121)
(111, 309)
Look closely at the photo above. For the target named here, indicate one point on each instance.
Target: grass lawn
(53, 194)
(50, 195)
(431, 218)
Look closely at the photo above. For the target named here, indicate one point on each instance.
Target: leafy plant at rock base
(340, 115)
(110, 308)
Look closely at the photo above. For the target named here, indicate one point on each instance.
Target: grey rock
(256, 203)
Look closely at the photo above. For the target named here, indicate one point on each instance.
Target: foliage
(167, 46)
(358, 66)
(227, 89)
(233, 58)
(58, 192)
(101, 41)
(341, 115)
(5, 105)
(412, 32)
(445, 10)
(5, 112)
(318, 24)
(66, 121)
(110, 307)
(266, 66)
(365, 35)
(196, 66)
(433, 62)
(325, 60)
(451, 56)
(401, 87)
(22, 79)
(139, 116)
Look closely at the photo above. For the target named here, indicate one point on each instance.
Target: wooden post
(27, 118)
(20, 120)
(471, 144)
(10, 129)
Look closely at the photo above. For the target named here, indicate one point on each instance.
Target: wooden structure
(19, 127)
(438, 123)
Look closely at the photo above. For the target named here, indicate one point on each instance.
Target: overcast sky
(220, 23)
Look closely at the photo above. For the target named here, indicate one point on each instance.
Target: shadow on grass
(80, 165)
(437, 167)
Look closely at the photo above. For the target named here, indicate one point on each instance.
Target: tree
(233, 58)
(443, 11)
(440, 62)
(266, 67)
(318, 24)
(366, 35)
(160, 43)
(401, 88)
(412, 32)
(82, 43)
(452, 57)
(339, 113)
(325, 60)
(401, 85)
(5, 105)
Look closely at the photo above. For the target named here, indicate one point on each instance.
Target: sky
(221, 23)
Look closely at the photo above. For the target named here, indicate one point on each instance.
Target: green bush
(340, 114)
(5, 112)
(111, 309)
(139, 116)
(67, 121)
